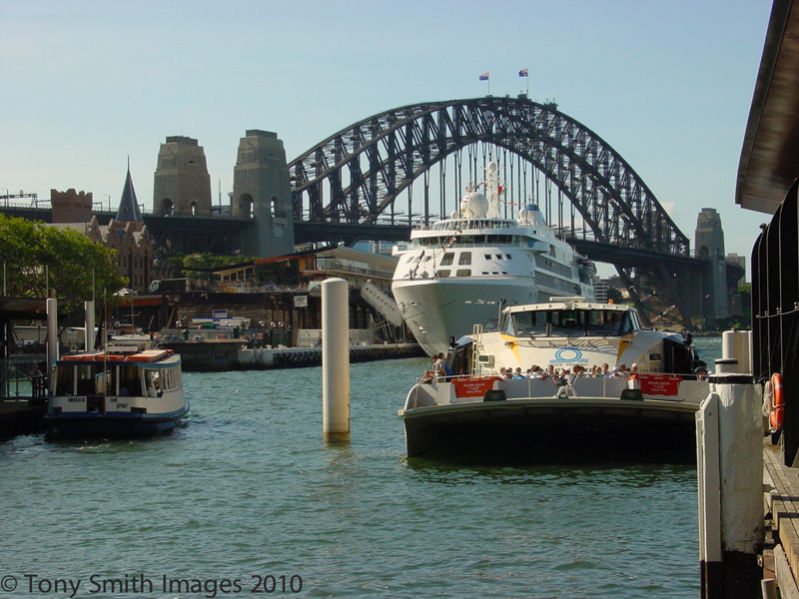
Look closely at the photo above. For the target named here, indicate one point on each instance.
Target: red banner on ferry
(659, 384)
(473, 386)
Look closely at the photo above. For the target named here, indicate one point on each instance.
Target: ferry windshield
(96, 379)
(568, 323)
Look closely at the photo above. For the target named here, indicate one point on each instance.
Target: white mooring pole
(730, 477)
(52, 330)
(335, 360)
(88, 335)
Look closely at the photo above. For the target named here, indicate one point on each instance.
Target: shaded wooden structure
(767, 173)
(23, 369)
(767, 182)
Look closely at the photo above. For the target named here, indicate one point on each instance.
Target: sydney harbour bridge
(611, 216)
(377, 178)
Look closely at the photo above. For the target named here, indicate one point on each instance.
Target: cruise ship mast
(492, 189)
(491, 197)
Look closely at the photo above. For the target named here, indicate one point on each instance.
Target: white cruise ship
(465, 269)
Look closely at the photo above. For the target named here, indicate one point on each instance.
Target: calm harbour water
(246, 490)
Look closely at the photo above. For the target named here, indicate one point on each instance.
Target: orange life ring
(777, 412)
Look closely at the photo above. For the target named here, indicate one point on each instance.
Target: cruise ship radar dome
(474, 205)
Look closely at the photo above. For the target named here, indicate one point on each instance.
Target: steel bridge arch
(368, 164)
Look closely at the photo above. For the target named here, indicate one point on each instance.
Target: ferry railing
(604, 387)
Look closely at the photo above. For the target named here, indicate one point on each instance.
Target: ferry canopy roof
(770, 155)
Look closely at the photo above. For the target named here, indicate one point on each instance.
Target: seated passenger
(440, 367)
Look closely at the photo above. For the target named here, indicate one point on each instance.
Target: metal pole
(442, 176)
(426, 179)
(52, 330)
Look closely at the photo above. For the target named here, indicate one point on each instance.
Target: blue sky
(87, 84)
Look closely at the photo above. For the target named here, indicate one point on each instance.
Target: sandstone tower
(182, 186)
(70, 206)
(261, 191)
(709, 244)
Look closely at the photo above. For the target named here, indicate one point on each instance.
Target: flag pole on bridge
(484, 77)
(525, 73)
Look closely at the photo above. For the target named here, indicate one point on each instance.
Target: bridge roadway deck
(222, 234)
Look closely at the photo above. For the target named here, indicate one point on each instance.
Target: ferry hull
(485, 417)
(113, 425)
(535, 430)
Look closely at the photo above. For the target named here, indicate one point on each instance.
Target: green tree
(38, 258)
(198, 266)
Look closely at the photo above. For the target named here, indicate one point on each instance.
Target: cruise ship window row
(556, 283)
(467, 272)
(474, 240)
(465, 258)
(458, 225)
(548, 264)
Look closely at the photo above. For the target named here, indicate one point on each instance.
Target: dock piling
(52, 330)
(335, 360)
(730, 477)
(88, 334)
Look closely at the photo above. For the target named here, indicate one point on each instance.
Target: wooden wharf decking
(20, 416)
(781, 508)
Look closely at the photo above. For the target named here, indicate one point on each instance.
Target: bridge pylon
(261, 191)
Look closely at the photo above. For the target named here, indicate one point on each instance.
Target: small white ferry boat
(118, 393)
(465, 269)
(567, 374)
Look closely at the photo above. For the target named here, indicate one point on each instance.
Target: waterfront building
(127, 233)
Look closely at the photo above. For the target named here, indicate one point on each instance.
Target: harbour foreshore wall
(297, 357)
(231, 354)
